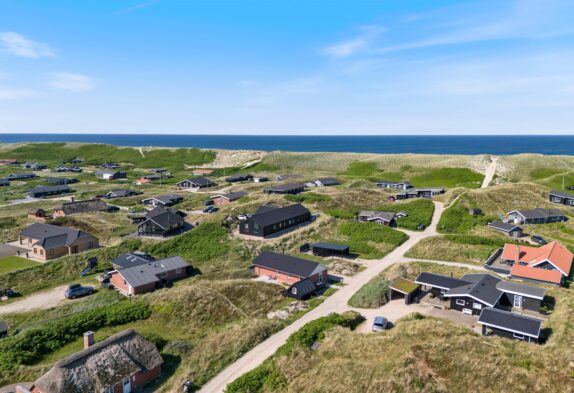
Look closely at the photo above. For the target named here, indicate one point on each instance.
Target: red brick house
(289, 270)
(149, 275)
(122, 363)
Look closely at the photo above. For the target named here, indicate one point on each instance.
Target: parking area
(393, 311)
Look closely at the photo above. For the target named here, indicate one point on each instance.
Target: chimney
(88, 339)
(518, 254)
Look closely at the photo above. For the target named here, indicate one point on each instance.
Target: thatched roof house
(101, 366)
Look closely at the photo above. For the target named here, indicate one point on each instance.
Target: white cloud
(7, 93)
(354, 45)
(19, 45)
(71, 82)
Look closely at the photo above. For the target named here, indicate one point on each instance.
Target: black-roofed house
(47, 191)
(77, 207)
(111, 174)
(301, 289)
(47, 241)
(4, 182)
(65, 168)
(381, 218)
(291, 188)
(510, 325)
(473, 292)
(269, 220)
(122, 363)
(561, 197)
(323, 249)
(507, 228)
(536, 216)
(420, 193)
(223, 199)
(109, 165)
(195, 184)
(400, 185)
(237, 177)
(260, 179)
(326, 181)
(38, 214)
(161, 222)
(121, 194)
(21, 176)
(288, 269)
(163, 200)
(60, 180)
(149, 276)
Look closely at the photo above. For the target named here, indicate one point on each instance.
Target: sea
(385, 144)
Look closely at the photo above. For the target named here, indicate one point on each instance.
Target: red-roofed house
(550, 263)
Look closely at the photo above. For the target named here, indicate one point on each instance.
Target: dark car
(421, 227)
(77, 290)
(539, 240)
(208, 202)
(380, 324)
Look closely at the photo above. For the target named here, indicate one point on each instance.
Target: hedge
(31, 345)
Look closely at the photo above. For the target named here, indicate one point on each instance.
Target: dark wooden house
(510, 325)
(47, 191)
(563, 198)
(269, 220)
(291, 188)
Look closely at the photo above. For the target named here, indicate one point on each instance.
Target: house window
(518, 336)
(35, 250)
(125, 282)
(460, 302)
(50, 252)
(41, 252)
(477, 306)
(294, 291)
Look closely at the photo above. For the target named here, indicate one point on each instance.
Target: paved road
(337, 302)
(489, 173)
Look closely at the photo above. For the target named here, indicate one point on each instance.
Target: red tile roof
(553, 252)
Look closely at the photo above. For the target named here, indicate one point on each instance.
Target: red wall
(284, 278)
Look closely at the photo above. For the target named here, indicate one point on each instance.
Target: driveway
(43, 300)
(393, 311)
(337, 303)
(7, 250)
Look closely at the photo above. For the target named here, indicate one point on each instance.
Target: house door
(518, 301)
(127, 385)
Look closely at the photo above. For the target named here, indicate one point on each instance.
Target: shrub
(156, 339)
(369, 231)
(456, 219)
(419, 211)
(31, 345)
(340, 213)
(309, 197)
(7, 222)
(371, 295)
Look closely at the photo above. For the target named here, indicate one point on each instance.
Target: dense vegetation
(419, 211)
(32, 344)
(266, 377)
(456, 219)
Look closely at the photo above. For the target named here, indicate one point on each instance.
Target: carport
(403, 288)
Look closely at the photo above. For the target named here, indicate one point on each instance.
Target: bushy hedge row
(267, 376)
(32, 344)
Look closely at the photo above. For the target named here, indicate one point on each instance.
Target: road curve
(337, 302)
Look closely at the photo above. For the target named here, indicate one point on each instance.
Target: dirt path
(490, 172)
(334, 303)
(141, 152)
(47, 299)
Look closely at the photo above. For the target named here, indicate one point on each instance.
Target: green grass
(456, 248)
(370, 240)
(54, 153)
(308, 197)
(371, 295)
(456, 219)
(449, 178)
(543, 173)
(419, 211)
(10, 264)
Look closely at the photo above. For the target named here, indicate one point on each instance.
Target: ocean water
(451, 144)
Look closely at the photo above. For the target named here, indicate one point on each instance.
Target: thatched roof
(103, 364)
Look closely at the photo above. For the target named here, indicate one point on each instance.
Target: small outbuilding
(301, 290)
(510, 325)
(507, 228)
(328, 249)
(403, 288)
(475, 211)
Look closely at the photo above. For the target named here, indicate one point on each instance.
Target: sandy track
(42, 300)
(490, 172)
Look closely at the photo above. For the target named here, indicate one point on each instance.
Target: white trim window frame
(460, 302)
(518, 336)
(477, 306)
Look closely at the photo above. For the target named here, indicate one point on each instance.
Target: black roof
(503, 226)
(269, 215)
(239, 176)
(50, 236)
(287, 264)
(232, 196)
(330, 246)
(123, 193)
(328, 181)
(481, 287)
(521, 289)
(165, 218)
(4, 181)
(131, 259)
(169, 198)
(302, 288)
(512, 322)
(200, 181)
(43, 189)
(439, 281)
(285, 187)
(561, 194)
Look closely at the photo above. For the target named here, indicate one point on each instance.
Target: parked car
(421, 227)
(78, 290)
(208, 209)
(208, 202)
(380, 324)
(539, 240)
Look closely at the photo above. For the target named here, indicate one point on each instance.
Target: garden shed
(404, 288)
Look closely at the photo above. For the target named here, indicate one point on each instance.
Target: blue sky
(287, 67)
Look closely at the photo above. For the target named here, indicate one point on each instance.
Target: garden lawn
(10, 264)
